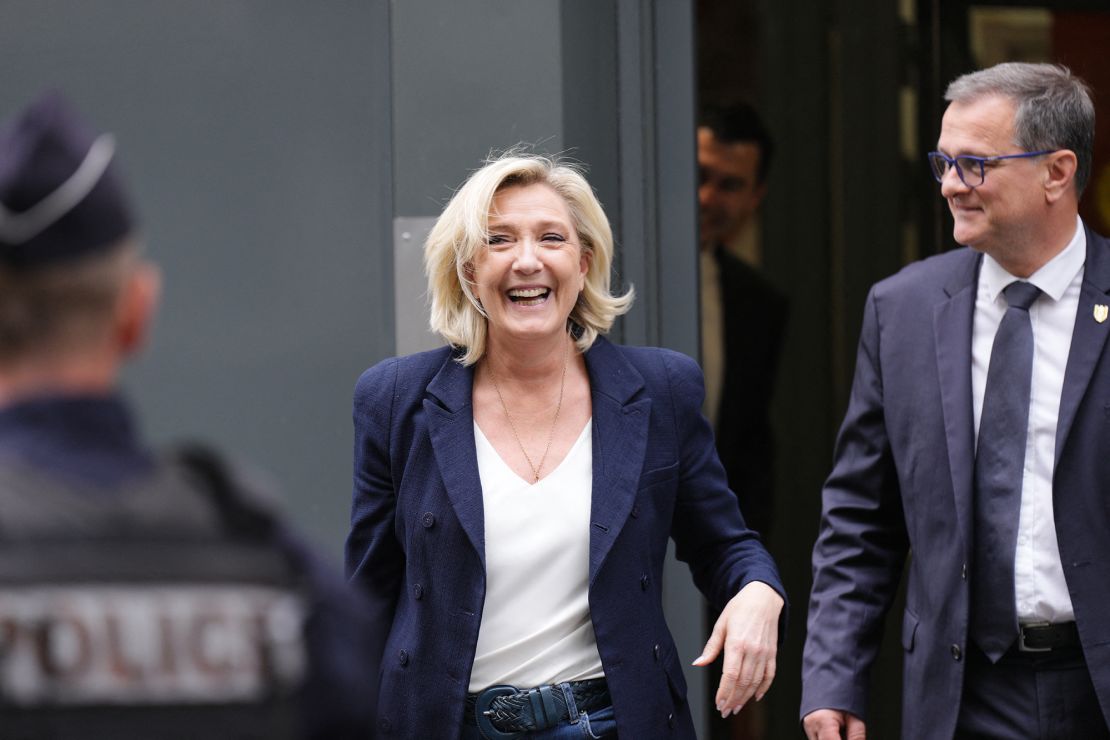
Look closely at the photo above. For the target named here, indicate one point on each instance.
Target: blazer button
(670, 720)
(428, 520)
(655, 652)
(417, 591)
(643, 582)
(635, 513)
(385, 725)
(956, 653)
(963, 571)
(403, 658)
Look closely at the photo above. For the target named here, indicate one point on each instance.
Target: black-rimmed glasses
(972, 170)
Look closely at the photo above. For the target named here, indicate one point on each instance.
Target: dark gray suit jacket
(902, 481)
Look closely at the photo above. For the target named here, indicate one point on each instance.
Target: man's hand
(833, 724)
(747, 631)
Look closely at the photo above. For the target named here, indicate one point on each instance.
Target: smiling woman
(514, 491)
(462, 235)
(530, 276)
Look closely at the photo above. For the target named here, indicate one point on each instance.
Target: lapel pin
(1101, 312)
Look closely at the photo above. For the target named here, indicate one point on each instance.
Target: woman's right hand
(747, 631)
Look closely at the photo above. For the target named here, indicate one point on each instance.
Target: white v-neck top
(536, 626)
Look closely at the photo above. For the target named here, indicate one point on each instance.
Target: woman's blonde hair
(462, 230)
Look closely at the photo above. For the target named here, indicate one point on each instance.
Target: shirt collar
(94, 420)
(1053, 278)
(91, 440)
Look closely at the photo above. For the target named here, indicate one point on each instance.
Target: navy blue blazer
(417, 534)
(903, 480)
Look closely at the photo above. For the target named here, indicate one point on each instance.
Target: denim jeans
(600, 723)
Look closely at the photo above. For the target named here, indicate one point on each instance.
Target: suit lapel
(952, 322)
(450, 417)
(620, 430)
(1088, 337)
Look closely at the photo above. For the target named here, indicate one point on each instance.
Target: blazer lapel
(620, 430)
(450, 417)
(1089, 336)
(952, 322)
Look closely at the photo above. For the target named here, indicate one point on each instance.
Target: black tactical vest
(163, 610)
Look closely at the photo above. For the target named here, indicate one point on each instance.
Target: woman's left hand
(748, 631)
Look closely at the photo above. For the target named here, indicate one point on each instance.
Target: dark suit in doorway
(754, 314)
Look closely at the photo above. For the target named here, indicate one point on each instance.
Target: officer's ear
(137, 305)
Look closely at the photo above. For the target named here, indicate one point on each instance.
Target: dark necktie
(999, 462)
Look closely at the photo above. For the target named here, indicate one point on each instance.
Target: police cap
(60, 196)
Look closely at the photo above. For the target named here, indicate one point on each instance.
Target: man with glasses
(977, 438)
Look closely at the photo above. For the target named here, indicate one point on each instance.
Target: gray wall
(255, 137)
(470, 78)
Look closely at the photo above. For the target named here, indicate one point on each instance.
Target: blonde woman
(515, 490)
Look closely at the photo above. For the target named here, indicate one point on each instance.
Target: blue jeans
(595, 725)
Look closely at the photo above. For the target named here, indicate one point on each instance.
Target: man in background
(743, 320)
(743, 314)
(141, 594)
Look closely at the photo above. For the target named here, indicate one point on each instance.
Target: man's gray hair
(1054, 107)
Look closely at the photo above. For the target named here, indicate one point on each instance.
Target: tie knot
(1021, 294)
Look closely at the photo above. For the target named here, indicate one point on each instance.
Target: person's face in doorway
(729, 190)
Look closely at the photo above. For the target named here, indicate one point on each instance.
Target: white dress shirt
(1040, 591)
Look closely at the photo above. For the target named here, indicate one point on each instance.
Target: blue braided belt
(505, 711)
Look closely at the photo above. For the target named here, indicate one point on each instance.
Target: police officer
(141, 594)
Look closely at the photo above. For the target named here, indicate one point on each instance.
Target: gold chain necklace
(554, 422)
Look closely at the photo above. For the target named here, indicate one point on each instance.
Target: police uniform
(144, 594)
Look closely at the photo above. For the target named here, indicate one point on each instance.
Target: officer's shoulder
(237, 489)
